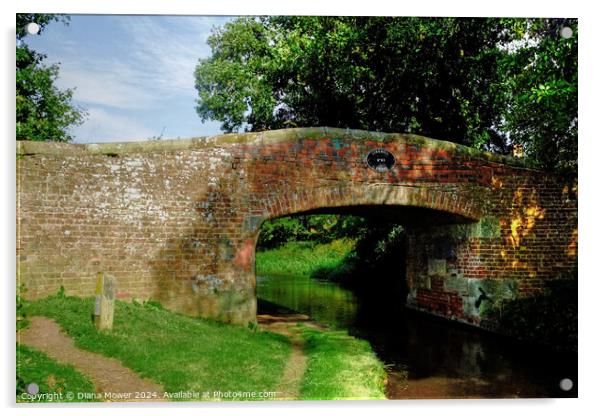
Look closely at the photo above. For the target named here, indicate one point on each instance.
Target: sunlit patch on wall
(523, 217)
(496, 182)
(571, 249)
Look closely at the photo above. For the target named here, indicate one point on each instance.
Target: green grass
(303, 257)
(340, 367)
(51, 377)
(178, 352)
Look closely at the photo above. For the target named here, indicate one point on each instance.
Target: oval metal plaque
(380, 160)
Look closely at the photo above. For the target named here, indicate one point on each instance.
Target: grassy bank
(190, 354)
(303, 257)
(178, 352)
(340, 367)
(51, 377)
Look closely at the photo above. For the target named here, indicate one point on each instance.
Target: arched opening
(405, 206)
(343, 290)
(358, 270)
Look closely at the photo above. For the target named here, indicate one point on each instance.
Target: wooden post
(104, 302)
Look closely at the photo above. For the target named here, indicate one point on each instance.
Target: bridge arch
(178, 220)
(374, 194)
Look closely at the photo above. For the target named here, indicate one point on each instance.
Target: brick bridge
(178, 221)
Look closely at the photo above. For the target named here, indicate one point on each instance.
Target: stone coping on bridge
(257, 138)
(178, 220)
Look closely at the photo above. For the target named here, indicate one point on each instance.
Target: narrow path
(290, 382)
(111, 379)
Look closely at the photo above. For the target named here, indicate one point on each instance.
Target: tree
(541, 92)
(44, 112)
(429, 76)
(447, 78)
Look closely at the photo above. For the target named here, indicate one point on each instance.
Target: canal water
(426, 357)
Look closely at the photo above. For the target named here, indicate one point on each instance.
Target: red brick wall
(178, 221)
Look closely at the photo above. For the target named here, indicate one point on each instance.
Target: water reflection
(442, 359)
(324, 301)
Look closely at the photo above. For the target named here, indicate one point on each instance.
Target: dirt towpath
(290, 382)
(111, 379)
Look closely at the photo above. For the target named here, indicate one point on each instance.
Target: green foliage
(22, 321)
(340, 367)
(303, 257)
(549, 318)
(179, 352)
(51, 377)
(41, 19)
(424, 75)
(318, 228)
(279, 231)
(540, 85)
(330, 247)
(43, 111)
(153, 305)
(378, 253)
(448, 78)
(379, 242)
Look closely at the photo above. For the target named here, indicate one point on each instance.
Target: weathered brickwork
(178, 221)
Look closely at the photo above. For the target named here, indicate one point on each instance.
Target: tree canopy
(44, 112)
(484, 82)
(540, 92)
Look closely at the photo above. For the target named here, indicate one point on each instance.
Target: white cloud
(167, 49)
(156, 59)
(142, 66)
(111, 88)
(103, 126)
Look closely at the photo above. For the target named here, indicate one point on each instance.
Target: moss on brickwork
(486, 227)
(158, 214)
(258, 138)
(481, 298)
(252, 223)
(493, 293)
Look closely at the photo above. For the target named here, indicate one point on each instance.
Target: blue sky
(132, 74)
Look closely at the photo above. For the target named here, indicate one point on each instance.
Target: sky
(134, 75)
